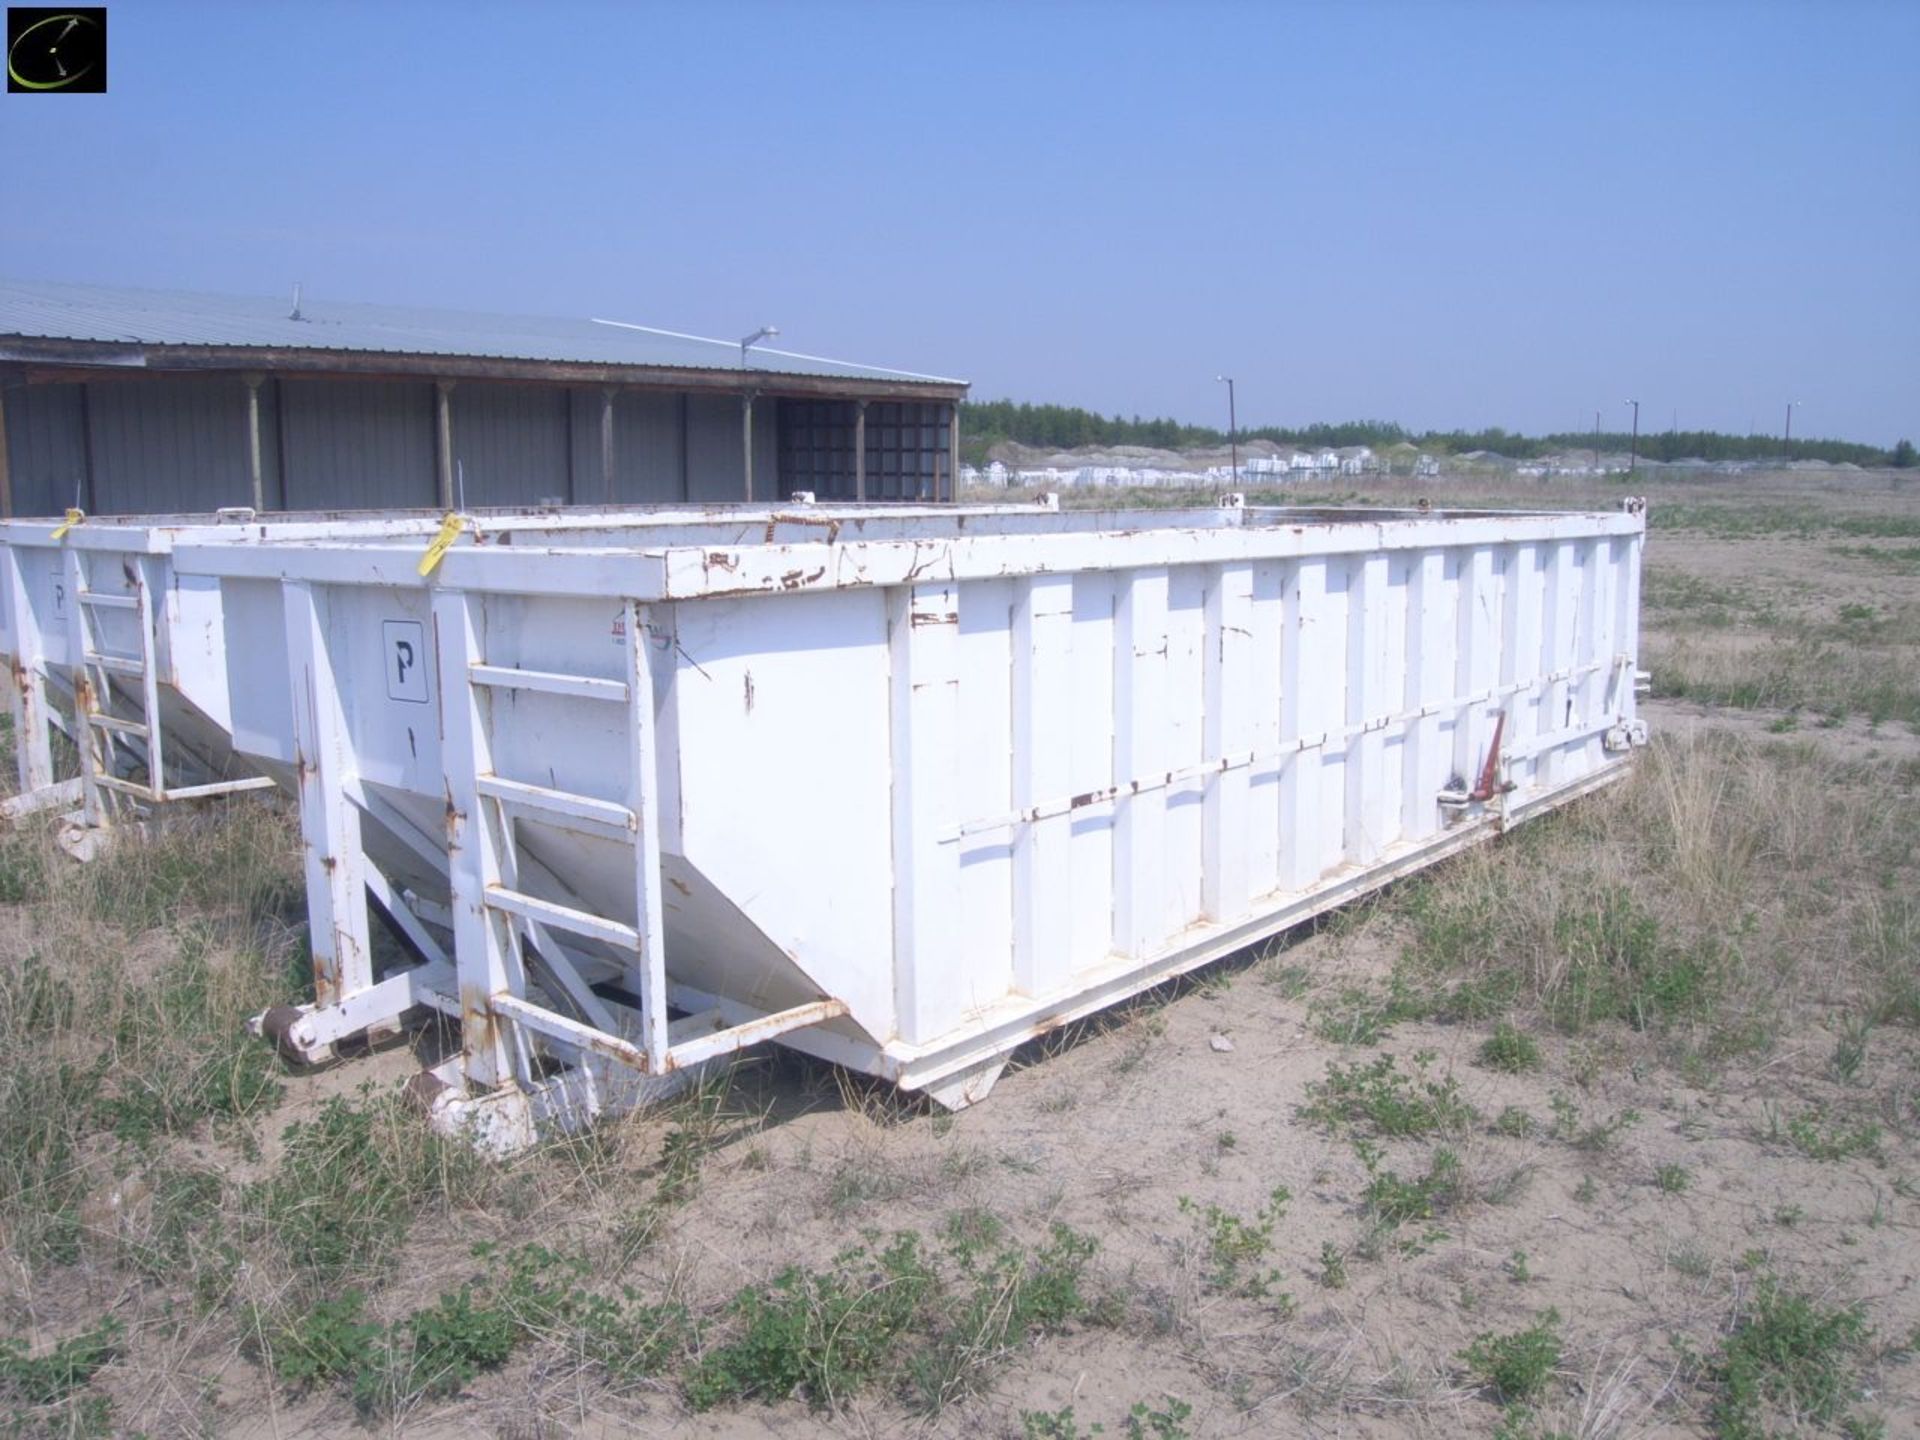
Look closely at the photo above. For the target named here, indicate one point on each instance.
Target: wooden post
(443, 411)
(746, 440)
(258, 487)
(953, 451)
(606, 444)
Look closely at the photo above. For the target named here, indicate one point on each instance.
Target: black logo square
(56, 51)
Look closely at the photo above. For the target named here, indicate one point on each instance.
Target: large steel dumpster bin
(103, 639)
(902, 795)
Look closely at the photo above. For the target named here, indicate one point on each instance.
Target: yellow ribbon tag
(74, 517)
(450, 529)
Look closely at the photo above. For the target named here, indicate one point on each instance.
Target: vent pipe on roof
(296, 315)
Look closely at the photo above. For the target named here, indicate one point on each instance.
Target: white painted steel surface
(903, 788)
(106, 588)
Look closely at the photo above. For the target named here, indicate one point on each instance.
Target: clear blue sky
(1445, 214)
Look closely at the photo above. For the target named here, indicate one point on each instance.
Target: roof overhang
(44, 360)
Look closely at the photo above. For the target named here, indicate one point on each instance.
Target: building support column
(258, 487)
(860, 450)
(606, 444)
(953, 451)
(746, 440)
(443, 429)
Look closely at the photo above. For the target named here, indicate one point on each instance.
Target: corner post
(329, 822)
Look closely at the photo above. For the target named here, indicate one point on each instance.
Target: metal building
(121, 401)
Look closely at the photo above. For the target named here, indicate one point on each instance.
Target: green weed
(1519, 1365)
(50, 1378)
(1510, 1050)
(1789, 1355)
(1387, 1101)
(1237, 1248)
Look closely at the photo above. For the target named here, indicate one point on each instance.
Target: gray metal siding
(46, 447)
(512, 444)
(358, 444)
(714, 462)
(646, 448)
(169, 444)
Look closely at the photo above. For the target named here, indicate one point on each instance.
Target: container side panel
(1429, 675)
(1266, 627)
(930, 987)
(1091, 824)
(1183, 695)
(1228, 704)
(258, 680)
(1310, 664)
(1557, 656)
(1520, 657)
(1043, 746)
(985, 757)
(783, 753)
(1340, 680)
(1141, 749)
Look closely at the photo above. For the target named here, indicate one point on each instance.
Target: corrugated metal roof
(113, 314)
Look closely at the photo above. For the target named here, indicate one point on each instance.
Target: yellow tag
(74, 517)
(450, 529)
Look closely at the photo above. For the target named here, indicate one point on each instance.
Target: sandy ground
(1110, 1133)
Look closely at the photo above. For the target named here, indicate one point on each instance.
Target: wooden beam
(254, 474)
(606, 444)
(746, 440)
(443, 432)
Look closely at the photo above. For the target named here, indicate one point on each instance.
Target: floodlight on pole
(765, 332)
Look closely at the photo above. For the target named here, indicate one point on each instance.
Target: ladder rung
(117, 725)
(562, 917)
(118, 665)
(109, 602)
(585, 687)
(559, 802)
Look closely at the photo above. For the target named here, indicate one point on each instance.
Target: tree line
(983, 424)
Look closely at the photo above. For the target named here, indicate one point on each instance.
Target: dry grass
(1716, 964)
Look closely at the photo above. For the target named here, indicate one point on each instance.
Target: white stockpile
(900, 787)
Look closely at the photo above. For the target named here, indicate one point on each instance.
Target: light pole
(765, 332)
(1596, 442)
(1633, 445)
(1790, 405)
(1233, 426)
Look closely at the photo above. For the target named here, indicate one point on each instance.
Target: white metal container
(903, 790)
(94, 620)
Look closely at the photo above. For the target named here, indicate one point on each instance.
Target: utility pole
(1790, 405)
(1633, 446)
(1233, 427)
(1596, 442)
